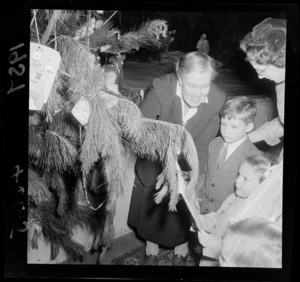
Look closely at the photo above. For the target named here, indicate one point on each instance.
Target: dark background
(224, 30)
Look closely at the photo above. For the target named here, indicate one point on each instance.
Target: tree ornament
(110, 82)
(159, 28)
(82, 111)
(44, 63)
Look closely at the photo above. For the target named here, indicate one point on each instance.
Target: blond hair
(266, 43)
(257, 243)
(196, 62)
(261, 163)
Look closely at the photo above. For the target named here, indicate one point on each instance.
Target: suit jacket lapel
(235, 157)
(192, 122)
(201, 122)
(176, 111)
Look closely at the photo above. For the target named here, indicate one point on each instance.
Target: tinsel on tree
(80, 139)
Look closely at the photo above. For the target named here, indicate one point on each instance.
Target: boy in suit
(226, 153)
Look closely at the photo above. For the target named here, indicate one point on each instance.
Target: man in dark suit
(190, 98)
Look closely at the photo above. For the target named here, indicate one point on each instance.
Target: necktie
(223, 156)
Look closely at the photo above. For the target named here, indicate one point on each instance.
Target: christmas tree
(81, 137)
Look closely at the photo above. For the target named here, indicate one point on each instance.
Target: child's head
(252, 242)
(252, 172)
(237, 116)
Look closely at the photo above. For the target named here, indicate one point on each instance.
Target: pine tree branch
(50, 26)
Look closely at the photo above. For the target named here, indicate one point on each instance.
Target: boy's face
(195, 86)
(247, 180)
(233, 129)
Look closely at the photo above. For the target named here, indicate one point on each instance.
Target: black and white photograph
(150, 141)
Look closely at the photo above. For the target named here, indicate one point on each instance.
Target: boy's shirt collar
(233, 146)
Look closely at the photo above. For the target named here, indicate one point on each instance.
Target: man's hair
(266, 43)
(196, 62)
(240, 107)
(257, 243)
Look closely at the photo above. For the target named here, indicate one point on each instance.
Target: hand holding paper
(193, 207)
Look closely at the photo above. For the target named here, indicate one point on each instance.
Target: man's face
(195, 86)
(233, 129)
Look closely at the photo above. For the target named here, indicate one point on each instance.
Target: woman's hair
(261, 163)
(196, 62)
(240, 107)
(257, 243)
(266, 43)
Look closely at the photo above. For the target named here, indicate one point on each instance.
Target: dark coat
(154, 222)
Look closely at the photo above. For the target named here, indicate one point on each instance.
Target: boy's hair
(240, 107)
(196, 62)
(257, 243)
(261, 163)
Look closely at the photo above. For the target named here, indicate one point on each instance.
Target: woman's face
(195, 86)
(270, 72)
